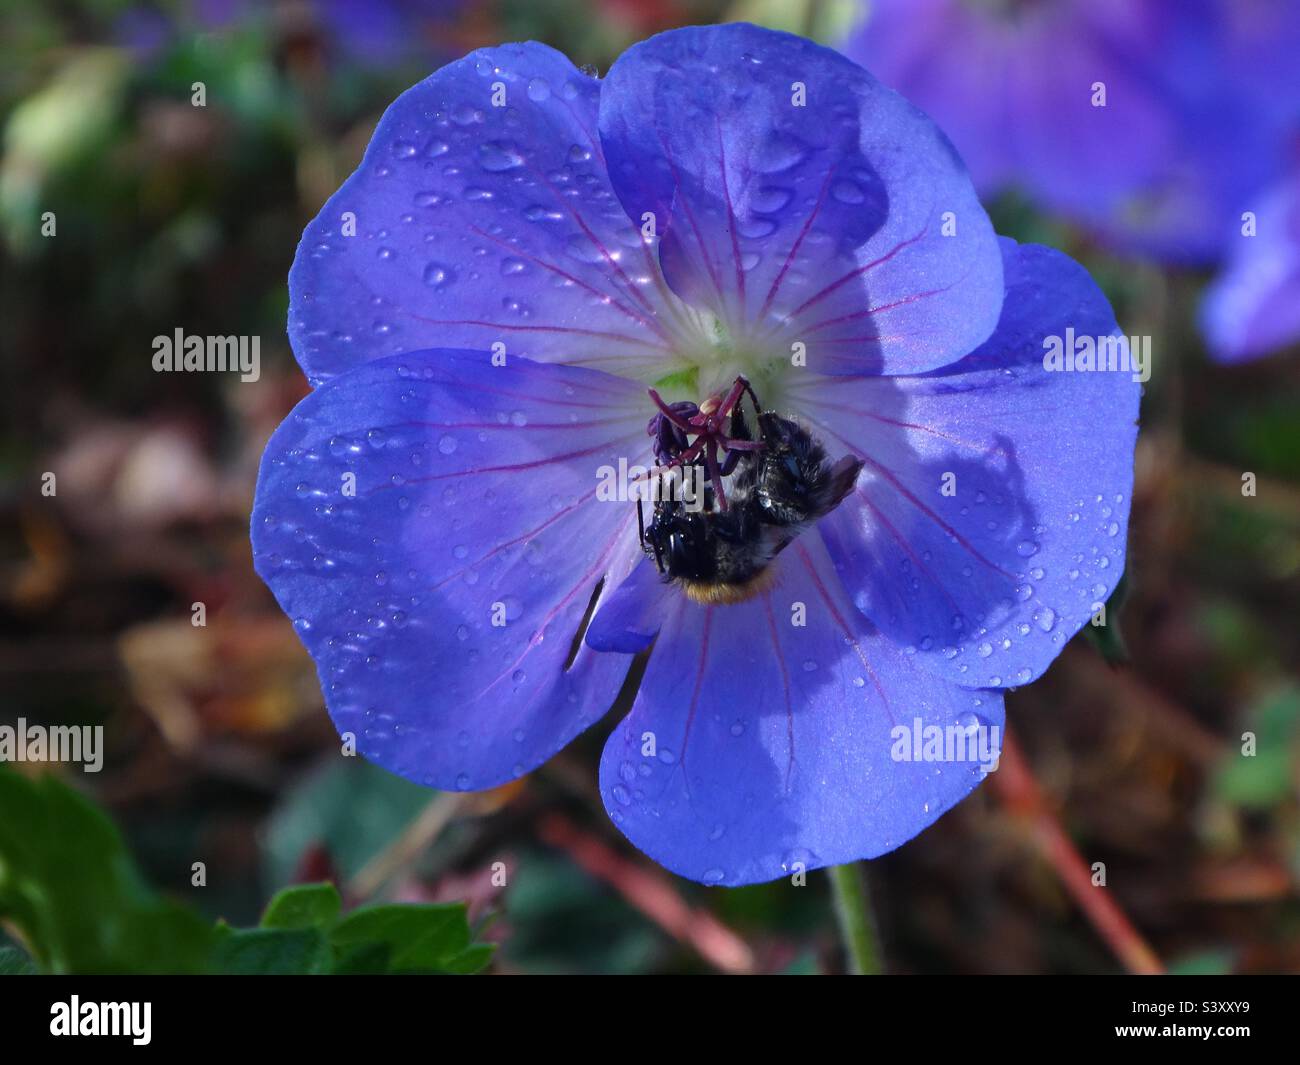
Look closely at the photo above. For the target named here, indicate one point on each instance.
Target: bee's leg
(654, 542)
(744, 381)
(715, 476)
(729, 401)
(738, 438)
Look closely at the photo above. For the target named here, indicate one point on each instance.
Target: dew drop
(847, 192)
(770, 199)
(498, 156)
(437, 276)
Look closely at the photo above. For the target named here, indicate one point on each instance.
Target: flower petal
(1065, 136)
(476, 224)
(630, 618)
(1146, 121)
(819, 218)
(950, 60)
(759, 747)
(990, 516)
(441, 599)
(1253, 306)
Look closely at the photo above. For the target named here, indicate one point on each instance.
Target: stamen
(708, 424)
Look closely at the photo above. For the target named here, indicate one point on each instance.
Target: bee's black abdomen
(712, 546)
(722, 556)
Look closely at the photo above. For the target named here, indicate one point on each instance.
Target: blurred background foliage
(218, 748)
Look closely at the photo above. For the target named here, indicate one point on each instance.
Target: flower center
(711, 356)
(761, 480)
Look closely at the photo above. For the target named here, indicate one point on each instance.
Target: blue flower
(483, 308)
(371, 33)
(1151, 124)
(1253, 307)
(376, 32)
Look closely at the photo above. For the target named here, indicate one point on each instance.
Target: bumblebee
(780, 482)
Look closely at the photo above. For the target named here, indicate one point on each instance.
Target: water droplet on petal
(438, 276)
(498, 156)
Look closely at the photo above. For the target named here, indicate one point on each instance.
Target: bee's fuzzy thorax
(708, 593)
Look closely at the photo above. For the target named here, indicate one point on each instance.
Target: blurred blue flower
(1201, 105)
(385, 31)
(481, 309)
(370, 33)
(1253, 307)
(146, 29)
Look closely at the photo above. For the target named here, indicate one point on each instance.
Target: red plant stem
(1015, 783)
(653, 894)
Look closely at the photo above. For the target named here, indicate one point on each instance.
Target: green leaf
(272, 951)
(352, 808)
(69, 886)
(13, 962)
(471, 960)
(67, 882)
(303, 906)
(562, 921)
(419, 938)
(1108, 639)
(1262, 780)
(369, 959)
